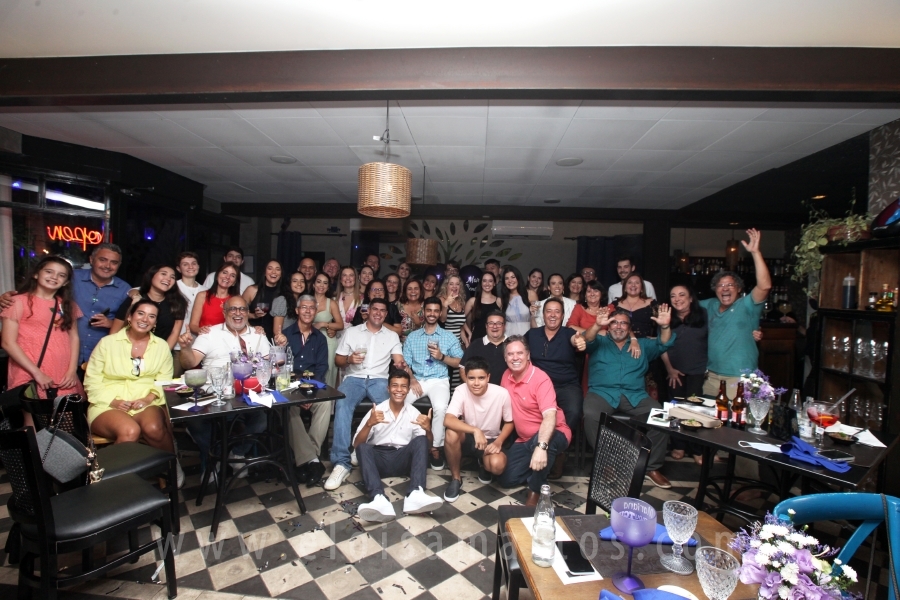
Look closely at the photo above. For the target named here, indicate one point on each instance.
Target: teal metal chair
(871, 509)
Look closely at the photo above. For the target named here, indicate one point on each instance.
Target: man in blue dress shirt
(98, 293)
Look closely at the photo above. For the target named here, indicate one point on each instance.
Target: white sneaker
(353, 460)
(179, 475)
(419, 502)
(237, 466)
(338, 474)
(378, 510)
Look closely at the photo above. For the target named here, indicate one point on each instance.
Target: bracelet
(664, 326)
(443, 356)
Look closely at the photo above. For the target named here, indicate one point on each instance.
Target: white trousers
(438, 390)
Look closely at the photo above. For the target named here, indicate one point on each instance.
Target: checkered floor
(265, 548)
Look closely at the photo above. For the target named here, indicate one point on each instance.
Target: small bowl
(694, 400)
(307, 389)
(185, 392)
(690, 424)
(842, 439)
(307, 374)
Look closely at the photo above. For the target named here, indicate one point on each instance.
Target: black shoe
(301, 473)
(484, 476)
(436, 462)
(315, 470)
(452, 492)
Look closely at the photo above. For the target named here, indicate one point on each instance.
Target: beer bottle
(737, 407)
(722, 402)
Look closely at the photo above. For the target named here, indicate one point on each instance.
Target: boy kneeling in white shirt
(393, 440)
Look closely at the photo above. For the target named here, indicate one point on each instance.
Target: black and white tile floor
(265, 548)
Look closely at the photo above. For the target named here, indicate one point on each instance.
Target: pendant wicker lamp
(385, 189)
(421, 252)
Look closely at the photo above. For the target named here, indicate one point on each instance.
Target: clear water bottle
(228, 389)
(543, 538)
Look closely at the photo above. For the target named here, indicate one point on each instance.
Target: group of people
(511, 372)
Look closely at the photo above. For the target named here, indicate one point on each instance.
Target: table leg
(220, 487)
(289, 460)
(708, 457)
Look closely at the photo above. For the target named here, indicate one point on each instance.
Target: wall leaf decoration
(463, 250)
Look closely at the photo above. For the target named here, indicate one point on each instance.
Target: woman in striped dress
(453, 315)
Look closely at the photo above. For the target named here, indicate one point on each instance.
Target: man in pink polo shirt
(539, 423)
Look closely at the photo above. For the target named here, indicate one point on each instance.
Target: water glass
(431, 344)
(717, 571)
(217, 378)
(263, 372)
(759, 407)
(680, 520)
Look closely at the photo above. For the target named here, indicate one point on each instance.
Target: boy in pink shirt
(486, 414)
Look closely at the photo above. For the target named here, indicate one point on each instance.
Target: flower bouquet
(758, 395)
(789, 564)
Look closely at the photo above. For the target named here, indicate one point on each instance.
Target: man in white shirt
(557, 288)
(478, 421)
(213, 349)
(625, 267)
(235, 256)
(392, 441)
(366, 351)
(187, 265)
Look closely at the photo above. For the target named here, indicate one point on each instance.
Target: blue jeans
(518, 462)
(356, 389)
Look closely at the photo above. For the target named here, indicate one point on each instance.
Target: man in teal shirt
(616, 379)
(732, 320)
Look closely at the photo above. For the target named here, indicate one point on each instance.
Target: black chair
(620, 461)
(76, 520)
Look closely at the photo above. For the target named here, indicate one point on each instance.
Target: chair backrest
(71, 420)
(620, 461)
(31, 492)
(850, 506)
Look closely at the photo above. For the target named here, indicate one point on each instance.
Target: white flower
(776, 564)
(811, 541)
(850, 572)
(837, 561)
(784, 591)
(790, 572)
(762, 559)
(792, 512)
(755, 543)
(767, 550)
(786, 548)
(779, 530)
(765, 534)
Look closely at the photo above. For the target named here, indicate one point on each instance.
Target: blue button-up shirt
(311, 355)
(92, 299)
(415, 352)
(614, 373)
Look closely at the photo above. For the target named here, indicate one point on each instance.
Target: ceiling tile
(93, 133)
(157, 132)
(684, 179)
(766, 136)
(808, 115)
(602, 133)
(291, 173)
(459, 189)
(547, 109)
(331, 156)
(612, 192)
(611, 109)
(245, 173)
(360, 131)
(226, 132)
(38, 129)
(510, 176)
(504, 200)
(659, 193)
(526, 133)
(770, 161)
(594, 158)
(568, 176)
(196, 111)
(547, 192)
(206, 157)
(452, 156)
(339, 173)
(199, 174)
(155, 156)
(516, 158)
(42, 113)
(651, 160)
(444, 108)
(507, 189)
(258, 156)
(875, 116)
(362, 108)
(829, 137)
(685, 135)
(727, 180)
(349, 188)
(718, 162)
(448, 131)
(118, 113)
(458, 199)
(298, 132)
(688, 111)
(274, 110)
(408, 156)
(625, 178)
(470, 175)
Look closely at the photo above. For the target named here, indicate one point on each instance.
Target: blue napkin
(608, 595)
(660, 537)
(318, 384)
(655, 594)
(277, 398)
(800, 450)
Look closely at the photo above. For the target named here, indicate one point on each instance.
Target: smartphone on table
(575, 560)
(836, 455)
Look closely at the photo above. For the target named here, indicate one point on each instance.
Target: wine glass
(759, 408)
(634, 522)
(717, 571)
(680, 520)
(241, 371)
(431, 344)
(263, 306)
(217, 378)
(195, 378)
(264, 372)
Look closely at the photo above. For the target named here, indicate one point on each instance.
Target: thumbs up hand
(375, 416)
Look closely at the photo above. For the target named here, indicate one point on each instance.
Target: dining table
(275, 449)
(544, 583)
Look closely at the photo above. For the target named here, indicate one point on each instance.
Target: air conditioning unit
(522, 230)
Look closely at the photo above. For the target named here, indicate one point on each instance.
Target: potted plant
(821, 230)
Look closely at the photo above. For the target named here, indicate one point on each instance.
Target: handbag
(63, 456)
(10, 398)
(784, 422)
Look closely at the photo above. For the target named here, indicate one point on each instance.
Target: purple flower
(768, 588)
(803, 558)
(751, 571)
(807, 590)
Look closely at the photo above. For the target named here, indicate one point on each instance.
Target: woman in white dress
(513, 299)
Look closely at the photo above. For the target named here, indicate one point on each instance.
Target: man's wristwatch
(543, 445)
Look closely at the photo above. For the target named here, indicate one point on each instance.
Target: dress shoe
(301, 473)
(315, 472)
(533, 498)
(658, 479)
(557, 470)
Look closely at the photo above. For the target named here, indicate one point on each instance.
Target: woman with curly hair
(159, 287)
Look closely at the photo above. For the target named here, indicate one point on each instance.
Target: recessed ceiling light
(551, 201)
(819, 197)
(569, 162)
(733, 223)
(283, 160)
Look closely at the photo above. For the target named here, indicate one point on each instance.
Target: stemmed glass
(759, 407)
(717, 571)
(195, 378)
(634, 523)
(264, 372)
(217, 378)
(680, 520)
(242, 371)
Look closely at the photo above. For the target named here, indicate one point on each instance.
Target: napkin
(800, 450)
(866, 438)
(252, 398)
(643, 594)
(839, 427)
(318, 384)
(660, 537)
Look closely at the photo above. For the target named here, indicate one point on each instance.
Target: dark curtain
(290, 250)
(602, 253)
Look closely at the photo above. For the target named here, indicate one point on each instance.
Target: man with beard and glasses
(616, 378)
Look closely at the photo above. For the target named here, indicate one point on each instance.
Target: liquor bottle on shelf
(722, 403)
(737, 407)
(885, 303)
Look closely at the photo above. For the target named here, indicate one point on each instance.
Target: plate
(710, 403)
(674, 589)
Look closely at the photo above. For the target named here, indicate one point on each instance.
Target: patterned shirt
(415, 352)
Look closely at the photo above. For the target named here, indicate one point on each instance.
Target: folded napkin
(644, 594)
(660, 537)
(318, 384)
(276, 397)
(800, 450)
(682, 412)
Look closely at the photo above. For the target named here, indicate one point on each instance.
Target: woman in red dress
(208, 304)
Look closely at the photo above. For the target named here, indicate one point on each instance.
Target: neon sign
(78, 235)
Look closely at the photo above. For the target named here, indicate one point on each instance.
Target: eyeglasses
(620, 323)
(136, 366)
(725, 286)
(495, 324)
(237, 309)
(376, 289)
